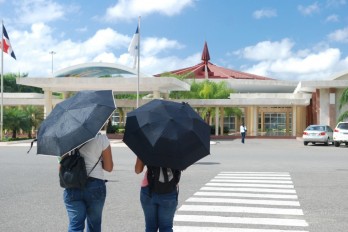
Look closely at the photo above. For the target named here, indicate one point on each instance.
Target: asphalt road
(31, 198)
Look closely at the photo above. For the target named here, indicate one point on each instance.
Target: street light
(52, 53)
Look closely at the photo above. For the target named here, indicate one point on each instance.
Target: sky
(291, 40)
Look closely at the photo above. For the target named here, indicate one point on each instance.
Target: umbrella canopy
(74, 121)
(167, 134)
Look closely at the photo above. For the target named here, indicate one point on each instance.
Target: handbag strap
(94, 165)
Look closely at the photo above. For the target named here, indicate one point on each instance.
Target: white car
(340, 134)
(317, 134)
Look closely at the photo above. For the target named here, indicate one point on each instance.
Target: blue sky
(281, 39)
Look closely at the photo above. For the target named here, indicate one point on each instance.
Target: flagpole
(2, 80)
(138, 57)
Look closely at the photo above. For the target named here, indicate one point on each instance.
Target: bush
(212, 129)
(112, 129)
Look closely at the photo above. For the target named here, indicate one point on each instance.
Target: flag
(134, 45)
(6, 43)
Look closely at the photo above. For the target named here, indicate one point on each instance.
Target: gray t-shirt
(91, 152)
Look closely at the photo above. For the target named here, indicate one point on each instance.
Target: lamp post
(52, 53)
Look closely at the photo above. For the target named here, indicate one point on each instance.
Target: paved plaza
(264, 185)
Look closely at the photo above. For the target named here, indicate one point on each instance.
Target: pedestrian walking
(243, 131)
(159, 208)
(88, 203)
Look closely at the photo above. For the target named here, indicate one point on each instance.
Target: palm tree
(14, 120)
(34, 116)
(208, 90)
(343, 101)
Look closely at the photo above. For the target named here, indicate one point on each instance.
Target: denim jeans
(159, 210)
(87, 203)
(243, 136)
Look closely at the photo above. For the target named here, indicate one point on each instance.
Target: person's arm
(108, 164)
(139, 166)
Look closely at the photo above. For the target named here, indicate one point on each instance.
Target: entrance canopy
(116, 84)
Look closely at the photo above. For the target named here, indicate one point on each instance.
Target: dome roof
(96, 69)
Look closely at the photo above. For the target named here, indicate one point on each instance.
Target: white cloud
(152, 46)
(129, 9)
(34, 11)
(319, 62)
(339, 35)
(265, 13)
(155, 65)
(106, 45)
(308, 10)
(312, 63)
(336, 3)
(267, 50)
(332, 18)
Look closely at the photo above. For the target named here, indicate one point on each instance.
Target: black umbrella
(167, 134)
(74, 121)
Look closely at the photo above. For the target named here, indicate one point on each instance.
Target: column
(48, 102)
(216, 120)
(156, 94)
(294, 120)
(222, 115)
(332, 107)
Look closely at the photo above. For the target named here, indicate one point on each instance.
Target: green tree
(10, 85)
(208, 90)
(34, 115)
(14, 120)
(343, 101)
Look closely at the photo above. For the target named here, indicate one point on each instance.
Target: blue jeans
(87, 203)
(159, 210)
(243, 136)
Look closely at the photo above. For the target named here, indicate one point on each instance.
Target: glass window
(275, 124)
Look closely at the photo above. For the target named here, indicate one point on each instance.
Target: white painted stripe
(253, 181)
(252, 185)
(225, 229)
(235, 209)
(241, 220)
(249, 190)
(254, 174)
(242, 201)
(253, 178)
(246, 195)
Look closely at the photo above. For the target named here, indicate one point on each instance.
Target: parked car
(318, 134)
(340, 134)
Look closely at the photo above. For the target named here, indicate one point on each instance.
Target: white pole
(138, 62)
(52, 53)
(2, 80)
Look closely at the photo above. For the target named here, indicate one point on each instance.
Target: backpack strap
(165, 174)
(94, 165)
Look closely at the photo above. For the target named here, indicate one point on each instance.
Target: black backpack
(162, 180)
(72, 172)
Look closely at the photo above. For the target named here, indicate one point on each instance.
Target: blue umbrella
(74, 121)
(167, 134)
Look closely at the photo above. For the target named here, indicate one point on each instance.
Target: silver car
(340, 134)
(318, 134)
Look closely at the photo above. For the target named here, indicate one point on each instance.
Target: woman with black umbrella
(88, 203)
(159, 201)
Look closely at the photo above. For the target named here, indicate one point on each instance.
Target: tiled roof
(206, 69)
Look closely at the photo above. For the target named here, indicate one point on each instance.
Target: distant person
(88, 203)
(159, 208)
(243, 131)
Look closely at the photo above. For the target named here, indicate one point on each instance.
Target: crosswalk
(243, 202)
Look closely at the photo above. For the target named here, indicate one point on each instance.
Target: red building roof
(208, 70)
